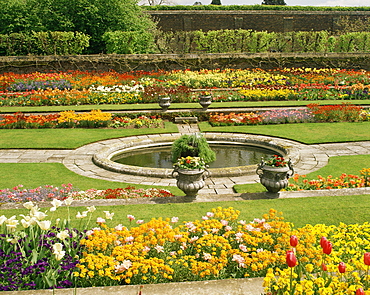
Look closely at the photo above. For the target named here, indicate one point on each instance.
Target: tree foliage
(91, 17)
(273, 2)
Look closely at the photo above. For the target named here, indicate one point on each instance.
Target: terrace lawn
(155, 107)
(308, 133)
(313, 210)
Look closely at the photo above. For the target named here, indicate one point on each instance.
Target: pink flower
(131, 217)
(243, 248)
(140, 221)
(100, 220)
(129, 239)
(174, 219)
(224, 222)
(204, 217)
(210, 214)
(239, 259)
(159, 249)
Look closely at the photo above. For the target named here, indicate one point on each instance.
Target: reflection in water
(227, 156)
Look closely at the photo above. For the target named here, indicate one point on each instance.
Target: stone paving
(311, 158)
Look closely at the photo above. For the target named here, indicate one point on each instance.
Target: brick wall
(266, 20)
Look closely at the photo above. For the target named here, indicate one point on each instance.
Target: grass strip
(174, 106)
(33, 175)
(317, 210)
(69, 138)
(308, 133)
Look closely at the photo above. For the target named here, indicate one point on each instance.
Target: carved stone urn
(190, 181)
(274, 178)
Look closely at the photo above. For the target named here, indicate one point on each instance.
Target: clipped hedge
(239, 41)
(43, 43)
(131, 42)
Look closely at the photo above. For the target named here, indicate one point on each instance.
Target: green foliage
(93, 17)
(347, 24)
(238, 41)
(273, 2)
(194, 145)
(43, 43)
(129, 42)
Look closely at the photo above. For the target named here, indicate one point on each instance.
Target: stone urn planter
(205, 101)
(164, 102)
(274, 178)
(190, 181)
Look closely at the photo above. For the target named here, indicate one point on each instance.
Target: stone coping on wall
(249, 286)
(240, 12)
(192, 61)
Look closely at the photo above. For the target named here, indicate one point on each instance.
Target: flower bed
(300, 182)
(70, 119)
(46, 193)
(314, 113)
(76, 88)
(40, 253)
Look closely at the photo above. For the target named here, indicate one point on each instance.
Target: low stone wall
(220, 287)
(149, 62)
(258, 20)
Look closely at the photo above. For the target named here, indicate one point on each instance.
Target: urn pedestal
(190, 181)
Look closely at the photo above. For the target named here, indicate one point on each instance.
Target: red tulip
(367, 258)
(323, 241)
(291, 260)
(342, 267)
(360, 291)
(327, 247)
(324, 267)
(293, 241)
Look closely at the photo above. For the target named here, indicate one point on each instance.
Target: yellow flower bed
(158, 251)
(94, 115)
(268, 94)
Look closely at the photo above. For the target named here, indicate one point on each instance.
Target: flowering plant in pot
(190, 163)
(276, 161)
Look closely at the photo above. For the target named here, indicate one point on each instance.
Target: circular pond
(227, 155)
(105, 156)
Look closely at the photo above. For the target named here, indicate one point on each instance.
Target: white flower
(44, 225)
(140, 221)
(57, 247)
(207, 256)
(56, 203)
(130, 217)
(25, 223)
(28, 205)
(39, 215)
(239, 259)
(205, 217)
(2, 219)
(91, 209)
(159, 248)
(11, 223)
(63, 235)
(68, 201)
(52, 209)
(108, 215)
(83, 215)
(58, 252)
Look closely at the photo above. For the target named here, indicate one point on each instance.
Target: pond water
(228, 155)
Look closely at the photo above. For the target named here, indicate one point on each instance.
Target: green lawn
(328, 210)
(155, 107)
(309, 133)
(302, 211)
(68, 138)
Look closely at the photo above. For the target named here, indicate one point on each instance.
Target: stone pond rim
(103, 157)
